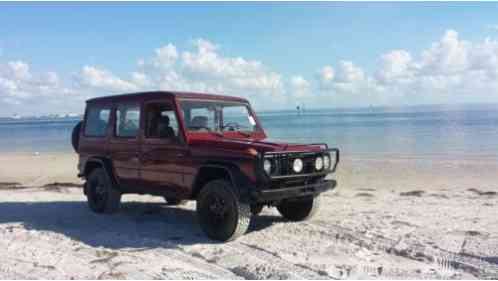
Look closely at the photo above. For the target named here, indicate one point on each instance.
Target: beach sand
(390, 217)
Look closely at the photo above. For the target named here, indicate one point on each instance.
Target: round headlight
(319, 163)
(326, 161)
(297, 165)
(267, 166)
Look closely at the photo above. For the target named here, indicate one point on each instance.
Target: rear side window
(127, 120)
(97, 120)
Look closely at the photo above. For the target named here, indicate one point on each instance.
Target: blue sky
(292, 40)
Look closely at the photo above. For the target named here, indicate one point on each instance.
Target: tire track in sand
(258, 263)
(416, 251)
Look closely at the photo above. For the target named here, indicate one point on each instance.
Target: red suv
(190, 146)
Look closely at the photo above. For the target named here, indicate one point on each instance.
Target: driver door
(163, 150)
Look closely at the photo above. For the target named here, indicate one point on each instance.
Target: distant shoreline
(11, 121)
(419, 108)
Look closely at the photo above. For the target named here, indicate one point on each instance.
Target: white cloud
(18, 70)
(27, 93)
(449, 70)
(326, 76)
(300, 87)
(207, 63)
(347, 72)
(448, 56)
(204, 69)
(394, 65)
(347, 82)
(166, 56)
(7, 87)
(100, 79)
(140, 79)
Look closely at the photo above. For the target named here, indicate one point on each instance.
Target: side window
(203, 118)
(97, 120)
(127, 120)
(161, 121)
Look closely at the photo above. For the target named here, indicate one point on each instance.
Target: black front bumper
(267, 195)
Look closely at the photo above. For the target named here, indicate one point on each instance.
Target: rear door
(163, 149)
(125, 143)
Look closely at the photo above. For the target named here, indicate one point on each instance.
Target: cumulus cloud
(326, 76)
(24, 92)
(300, 87)
(236, 74)
(17, 70)
(394, 65)
(349, 73)
(449, 70)
(101, 79)
(166, 56)
(448, 56)
(205, 69)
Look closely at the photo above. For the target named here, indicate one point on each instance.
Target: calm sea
(427, 131)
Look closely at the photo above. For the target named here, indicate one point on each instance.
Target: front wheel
(299, 209)
(101, 195)
(221, 215)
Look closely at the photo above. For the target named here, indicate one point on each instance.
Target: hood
(261, 145)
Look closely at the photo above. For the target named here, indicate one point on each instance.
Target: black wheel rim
(217, 208)
(218, 214)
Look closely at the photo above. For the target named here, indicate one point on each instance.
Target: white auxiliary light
(319, 163)
(326, 162)
(297, 165)
(267, 166)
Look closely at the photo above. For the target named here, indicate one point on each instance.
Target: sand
(396, 217)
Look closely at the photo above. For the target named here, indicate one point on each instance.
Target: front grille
(282, 163)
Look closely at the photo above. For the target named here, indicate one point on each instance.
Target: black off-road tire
(235, 216)
(256, 209)
(101, 194)
(174, 201)
(75, 136)
(299, 209)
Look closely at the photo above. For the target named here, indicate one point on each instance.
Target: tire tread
(243, 209)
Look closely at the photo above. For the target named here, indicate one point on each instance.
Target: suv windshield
(217, 116)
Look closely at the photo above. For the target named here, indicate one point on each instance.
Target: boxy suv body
(190, 146)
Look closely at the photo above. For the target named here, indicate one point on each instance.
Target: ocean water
(425, 132)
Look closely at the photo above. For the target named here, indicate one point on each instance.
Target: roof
(170, 94)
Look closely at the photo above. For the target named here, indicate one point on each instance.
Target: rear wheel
(221, 215)
(174, 201)
(101, 195)
(75, 136)
(299, 209)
